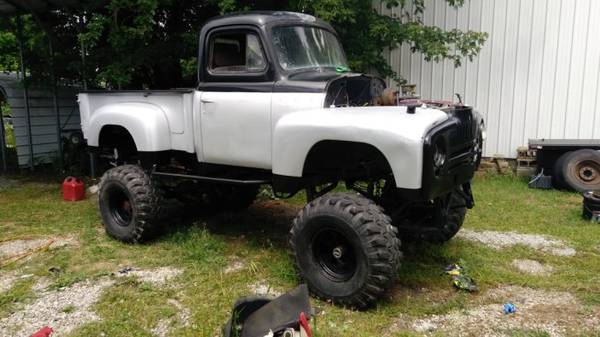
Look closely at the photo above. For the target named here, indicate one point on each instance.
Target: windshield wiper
(309, 69)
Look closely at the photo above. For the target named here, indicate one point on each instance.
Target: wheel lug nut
(338, 252)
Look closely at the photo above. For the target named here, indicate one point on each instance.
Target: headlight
(439, 154)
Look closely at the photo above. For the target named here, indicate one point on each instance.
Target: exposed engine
(364, 90)
(355, 90)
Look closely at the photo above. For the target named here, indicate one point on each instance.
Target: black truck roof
(264, 21)
(264, 18)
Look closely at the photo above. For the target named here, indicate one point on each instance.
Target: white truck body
(276, 104)
(272, 131)
(274, 96)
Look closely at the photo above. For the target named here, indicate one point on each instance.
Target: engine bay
(355, 90)
(364, 90)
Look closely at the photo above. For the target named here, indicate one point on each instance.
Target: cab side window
(236, 53)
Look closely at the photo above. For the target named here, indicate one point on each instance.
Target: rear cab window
(236, 52)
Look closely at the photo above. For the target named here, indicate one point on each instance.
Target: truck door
(236, 99)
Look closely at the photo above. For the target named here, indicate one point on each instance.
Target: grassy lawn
(202, 248)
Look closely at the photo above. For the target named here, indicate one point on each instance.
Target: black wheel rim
(119, 205)
(334, 254)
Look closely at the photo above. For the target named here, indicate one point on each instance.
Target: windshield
(301, 47)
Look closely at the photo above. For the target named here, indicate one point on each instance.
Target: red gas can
(73, 189)
(44, 332)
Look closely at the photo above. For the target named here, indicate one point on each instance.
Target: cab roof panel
(263, 18)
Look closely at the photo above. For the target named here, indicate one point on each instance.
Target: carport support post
(56, 107)
(25, 89)
(2, 142)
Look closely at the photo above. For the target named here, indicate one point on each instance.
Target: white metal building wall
(538, 75)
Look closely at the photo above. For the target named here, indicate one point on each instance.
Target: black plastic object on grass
(541, 181)
(257, 316)
(591, 206)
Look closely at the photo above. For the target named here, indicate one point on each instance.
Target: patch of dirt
(41, 284)
(158, 276)
(532, 267)
(235, 266)
(63, 310)
(277, 207)
(183, 314)
(261, 288)
(16, 248)
(7, 280)
(499, 240)
(278, 212)
(556, 313)
(162, 328)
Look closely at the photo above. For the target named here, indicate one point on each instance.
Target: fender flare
(146, 123)
(397, 136)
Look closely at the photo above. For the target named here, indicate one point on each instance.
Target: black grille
(464, 129)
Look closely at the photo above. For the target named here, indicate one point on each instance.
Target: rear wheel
(346, 249)
(129, 203)
(580, 170)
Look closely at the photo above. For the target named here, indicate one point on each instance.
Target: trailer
(569, 163)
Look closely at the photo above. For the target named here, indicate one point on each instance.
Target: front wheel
(346, 249)
(129, 203)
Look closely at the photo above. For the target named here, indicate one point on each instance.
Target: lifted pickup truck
(276, 105)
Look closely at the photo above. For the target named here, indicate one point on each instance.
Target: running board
(212, 179)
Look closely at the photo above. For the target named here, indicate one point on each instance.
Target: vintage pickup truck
(277, 105)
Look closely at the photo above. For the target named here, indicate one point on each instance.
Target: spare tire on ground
(578, 170)
(591, 205)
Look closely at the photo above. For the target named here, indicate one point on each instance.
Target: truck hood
(362, 123)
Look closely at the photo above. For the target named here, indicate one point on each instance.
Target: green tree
(8, 57)
(144, 43)
(366, 34)
(36, 47)
(133, 44)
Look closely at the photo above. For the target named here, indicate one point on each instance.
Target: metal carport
(37, 8)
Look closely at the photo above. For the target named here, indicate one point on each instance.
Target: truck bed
(175, 108)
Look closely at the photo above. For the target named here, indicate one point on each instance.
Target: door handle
(206, 101)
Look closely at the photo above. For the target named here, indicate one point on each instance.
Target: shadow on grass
(266, 222)
(424, 264)
(266, 225)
